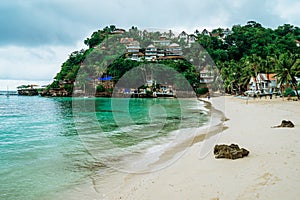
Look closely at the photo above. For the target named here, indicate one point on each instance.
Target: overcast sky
(36, 36)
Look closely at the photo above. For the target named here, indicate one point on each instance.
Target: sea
(50, 145)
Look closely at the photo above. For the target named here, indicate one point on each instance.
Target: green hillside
(239, 53)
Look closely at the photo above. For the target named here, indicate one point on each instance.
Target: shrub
(289, 91)
(201, 91)
(100, 88)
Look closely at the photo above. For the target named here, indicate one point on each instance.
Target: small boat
(7, 93)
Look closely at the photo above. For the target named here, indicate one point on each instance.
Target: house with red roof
(264, 83)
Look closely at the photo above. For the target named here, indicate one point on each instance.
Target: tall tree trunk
(295, 87)
(282, 92)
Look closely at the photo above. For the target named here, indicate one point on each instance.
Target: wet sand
(271, 171)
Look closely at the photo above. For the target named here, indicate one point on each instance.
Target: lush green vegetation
(253, 49)
(239, 53)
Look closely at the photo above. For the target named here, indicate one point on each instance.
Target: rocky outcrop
(232, 151)
(57, 92)
(28, 92)
(285, 123)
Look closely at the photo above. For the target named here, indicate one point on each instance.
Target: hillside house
(163, 42)
(192, 38)
(183, 36)
(205, 32)
(133, 51)
(117, 31)
(206, 76)
(174, 50)
(150, 53)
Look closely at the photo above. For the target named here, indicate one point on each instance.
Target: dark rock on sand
(232, 151)
(285, 123)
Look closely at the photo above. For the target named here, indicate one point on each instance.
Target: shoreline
(105, 187)
(271, 171)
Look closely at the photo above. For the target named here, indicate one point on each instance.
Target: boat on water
(7, 92)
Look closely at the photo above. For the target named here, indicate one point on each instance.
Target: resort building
(133, 51)
(206, 76)
(118, 31)
(264, 83)
(174, 50)
(227, 32)
(188, 39)
(183, 36)
(153, 53)
(150, 53)
(205, 32)
(161, 53)
(161, 49)
(162, 42)
(192, 39)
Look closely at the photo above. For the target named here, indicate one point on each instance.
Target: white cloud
(33, 63)
(288, 10)
(39, 35)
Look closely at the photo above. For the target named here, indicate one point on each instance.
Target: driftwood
(285, 123)
(232, 151)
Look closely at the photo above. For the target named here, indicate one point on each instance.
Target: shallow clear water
(49, 144)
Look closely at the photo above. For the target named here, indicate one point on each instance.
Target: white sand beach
(271, 171)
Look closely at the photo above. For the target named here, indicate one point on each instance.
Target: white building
(183, 36)
(133, 51)
(264, 83)
(150, 53)
(174, 50)
(162, 42)
(206, 76)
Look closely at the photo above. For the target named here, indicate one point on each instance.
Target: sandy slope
(271, 171)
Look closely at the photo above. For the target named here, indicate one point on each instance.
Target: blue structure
(106, 78)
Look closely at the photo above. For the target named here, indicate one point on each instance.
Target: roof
(214, 34)
(118, 31)
(174, 45)
(263, 77)
(161, 41)
(151, 46)
(183, 33)
(170, 57)
(134, 43)
(106, 78)
(205, 31)
(205, 70)
(271, 77)
(126, 40)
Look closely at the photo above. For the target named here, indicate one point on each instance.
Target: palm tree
(252, 66)
(296, 66)
(229, 76)
(285, 70)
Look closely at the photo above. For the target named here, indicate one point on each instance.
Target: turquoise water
(50, 144)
